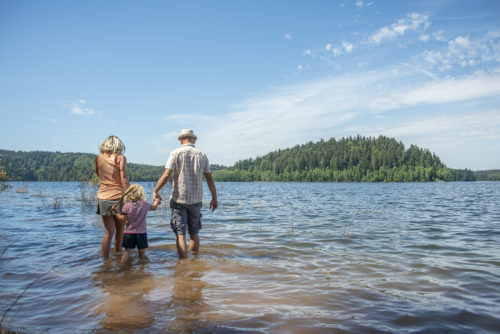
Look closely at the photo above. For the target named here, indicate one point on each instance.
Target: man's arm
(161, 182)
(211, 186)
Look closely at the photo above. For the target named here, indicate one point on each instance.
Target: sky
(251, 77)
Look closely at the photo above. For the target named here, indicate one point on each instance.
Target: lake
(275, 257)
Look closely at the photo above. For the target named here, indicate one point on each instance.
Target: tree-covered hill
(352, 159)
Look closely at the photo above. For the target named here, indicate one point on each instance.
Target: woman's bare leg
(109, 230)
(120, 226)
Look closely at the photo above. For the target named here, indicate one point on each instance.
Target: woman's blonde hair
(112, 144)
(136, 193)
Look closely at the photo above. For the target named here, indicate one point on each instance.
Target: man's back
(189, 164)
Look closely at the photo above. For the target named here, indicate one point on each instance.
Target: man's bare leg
(181, 246)
(194, 243)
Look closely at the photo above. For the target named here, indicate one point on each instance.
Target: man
(189, 165)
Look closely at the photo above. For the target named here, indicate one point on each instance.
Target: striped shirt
(188, 164)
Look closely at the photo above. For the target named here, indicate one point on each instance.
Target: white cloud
(76, 110)
(337, 52)
(351, 105)
(412, 22)
(299, 67)
(79, 108)
(460, 43)
(53, 120)
(360, 4)
(452, 136)
(287, 36)
(424, 38)
(452, 126)
(348, 47)
(188, 118)
(448, 90)
(464, 52)
(171, 135)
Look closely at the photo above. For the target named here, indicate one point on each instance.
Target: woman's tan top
(111, 170)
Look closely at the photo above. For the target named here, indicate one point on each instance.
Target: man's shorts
(104, 207)
(131, 240)
(185, 217)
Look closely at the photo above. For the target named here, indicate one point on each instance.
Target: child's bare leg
(142, 254)
(109, 230)
(120, 227)
(125, 256)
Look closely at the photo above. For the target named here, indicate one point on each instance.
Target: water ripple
(275, 257)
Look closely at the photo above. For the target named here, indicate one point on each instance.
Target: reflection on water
(187, 303)
(275, 257)
(124, 293)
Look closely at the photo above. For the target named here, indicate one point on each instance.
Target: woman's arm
(123, 172)
(119, 215)
(96, 164)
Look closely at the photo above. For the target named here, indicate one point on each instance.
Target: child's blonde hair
(136, 193)
(112, 144)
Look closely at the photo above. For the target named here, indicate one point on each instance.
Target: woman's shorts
(104, 207)
(131, 240)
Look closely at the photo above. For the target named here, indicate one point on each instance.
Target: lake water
(275, 257)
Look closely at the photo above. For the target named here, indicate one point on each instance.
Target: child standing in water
(135, 210)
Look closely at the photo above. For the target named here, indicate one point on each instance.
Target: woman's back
(108, 169)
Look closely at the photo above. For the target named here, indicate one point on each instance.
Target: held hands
(157, 197)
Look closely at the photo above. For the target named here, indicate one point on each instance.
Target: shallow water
(275, 257)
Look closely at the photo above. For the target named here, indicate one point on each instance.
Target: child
(135, 210)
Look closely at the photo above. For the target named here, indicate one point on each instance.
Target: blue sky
(251, 76)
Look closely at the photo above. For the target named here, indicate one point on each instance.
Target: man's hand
(213, 205)
(114, 208)
(157, 197)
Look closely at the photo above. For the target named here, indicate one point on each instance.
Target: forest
(57, 166)
(351, 159)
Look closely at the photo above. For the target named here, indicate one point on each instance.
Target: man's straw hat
(187, 133)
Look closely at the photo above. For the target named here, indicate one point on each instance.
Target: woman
(111, 168)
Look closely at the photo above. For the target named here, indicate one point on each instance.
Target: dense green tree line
(353, 159)
(3, 176)
(487, 175)
(57, 166)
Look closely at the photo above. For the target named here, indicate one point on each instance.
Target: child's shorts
(131, 240)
